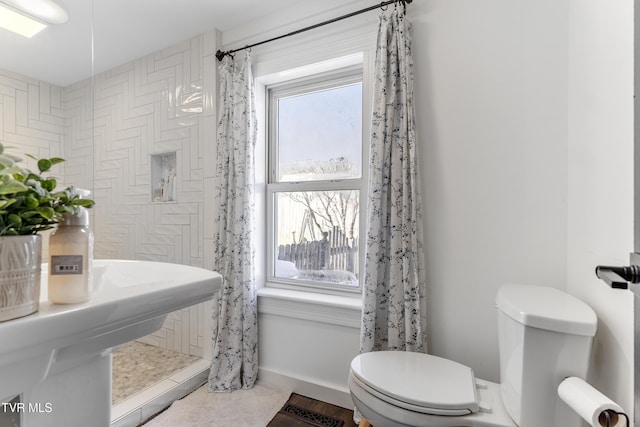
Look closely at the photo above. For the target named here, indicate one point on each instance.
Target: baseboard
(330, 393)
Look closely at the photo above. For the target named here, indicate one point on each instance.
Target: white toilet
(544, 335)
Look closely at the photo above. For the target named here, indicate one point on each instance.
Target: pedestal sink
(59, 359)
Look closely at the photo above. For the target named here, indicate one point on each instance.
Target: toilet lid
(420, 380)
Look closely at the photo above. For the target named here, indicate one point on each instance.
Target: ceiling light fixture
(29, 17)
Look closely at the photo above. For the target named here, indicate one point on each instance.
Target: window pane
(317, 236)
(320, 135)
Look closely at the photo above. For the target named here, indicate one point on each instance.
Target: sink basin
(130, 299)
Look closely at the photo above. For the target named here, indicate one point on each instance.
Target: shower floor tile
(137, 366)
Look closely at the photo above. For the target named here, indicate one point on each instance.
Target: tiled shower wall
(31, 116)
(32, 121)
(45, 120)
(148, 106)
(152, 105)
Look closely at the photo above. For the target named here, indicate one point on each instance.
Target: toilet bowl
(395, 388)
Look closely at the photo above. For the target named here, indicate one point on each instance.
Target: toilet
(544, 336)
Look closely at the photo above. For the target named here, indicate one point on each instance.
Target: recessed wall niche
(163, 177)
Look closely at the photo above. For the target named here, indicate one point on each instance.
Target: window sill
(313, 306)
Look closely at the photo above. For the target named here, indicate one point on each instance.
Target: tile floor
(137, 366)
(147, 379)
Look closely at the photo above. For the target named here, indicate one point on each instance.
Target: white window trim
(313, 306)
(310, 80)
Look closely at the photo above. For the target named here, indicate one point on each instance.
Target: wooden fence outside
(335, 251)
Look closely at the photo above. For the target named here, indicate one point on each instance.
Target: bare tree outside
(319, 140)
(318, 230)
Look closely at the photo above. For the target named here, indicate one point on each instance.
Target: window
(316, 184)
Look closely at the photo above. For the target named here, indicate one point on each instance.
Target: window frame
(313, 83)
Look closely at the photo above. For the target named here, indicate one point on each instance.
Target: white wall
(600, 223)
(491, 83)
(307, 346)
(528, 118)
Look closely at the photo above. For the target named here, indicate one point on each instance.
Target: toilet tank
(544, 336)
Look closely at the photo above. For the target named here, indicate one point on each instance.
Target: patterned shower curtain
(235, 331)
(393, 315)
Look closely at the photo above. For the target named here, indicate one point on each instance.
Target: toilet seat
(417, 382)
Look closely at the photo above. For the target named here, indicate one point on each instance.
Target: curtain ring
(383, 6)
(403, 3)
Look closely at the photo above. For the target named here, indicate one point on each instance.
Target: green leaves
(31, 202)
(47, 212)
(45, 164)
(14, 220)
(49, 184)
(11, 187)
(28, 203)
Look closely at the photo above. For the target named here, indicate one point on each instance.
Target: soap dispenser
(71, 259)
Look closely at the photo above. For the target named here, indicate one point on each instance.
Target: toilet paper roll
(590, 404)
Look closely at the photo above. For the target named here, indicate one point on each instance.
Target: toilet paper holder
(591, 405)
(607, 415)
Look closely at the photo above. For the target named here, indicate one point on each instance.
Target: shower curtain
(393, 315)
(235, 330)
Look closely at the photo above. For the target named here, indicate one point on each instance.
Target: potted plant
(29, 204)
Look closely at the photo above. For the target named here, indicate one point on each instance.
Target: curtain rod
(221, 54)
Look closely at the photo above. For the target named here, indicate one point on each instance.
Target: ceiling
(123, 30)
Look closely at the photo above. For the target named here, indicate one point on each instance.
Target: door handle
(619, 277)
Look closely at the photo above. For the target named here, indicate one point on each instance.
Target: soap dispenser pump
(71, 259)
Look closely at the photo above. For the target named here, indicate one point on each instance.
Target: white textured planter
(20, 259)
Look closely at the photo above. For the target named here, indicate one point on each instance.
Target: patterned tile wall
(150, 106)
(78, 145)
(31, 116)
(156, 104)
(32, 121)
